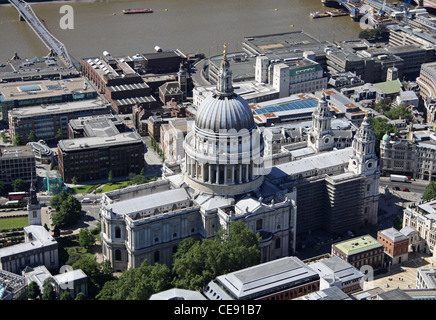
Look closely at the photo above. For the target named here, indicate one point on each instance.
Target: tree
(398, 222)
(110, 176)
(137, 283)
(429, 192)
(32, 136)
(66, 295)
(380, 127)
(80, 296)
(86, 238)
(57, 200)
(33, 290)
(59, 134)
(98, 273)
(74, 180)
(18, 140)
(380, 33)
(382, 106)
(19, 185)
(400, 111)
(48, 291)
(197, 263)
(68, 212)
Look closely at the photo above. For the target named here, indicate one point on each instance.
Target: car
(405, 190)
(397, 188)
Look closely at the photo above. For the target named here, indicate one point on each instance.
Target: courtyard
(402, 276)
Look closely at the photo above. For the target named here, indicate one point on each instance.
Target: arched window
(117, 232)
(118, 255)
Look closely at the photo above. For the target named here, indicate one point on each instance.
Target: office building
(45, 68)
(50, 122)
(104, 149)
(43, 92)
(17, 162)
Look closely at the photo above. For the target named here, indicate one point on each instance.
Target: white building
(425, 278)
(291, 75)
(39, 248)
(422, 218)
(336, 272)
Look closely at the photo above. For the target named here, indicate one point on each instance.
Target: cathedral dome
(227, 112)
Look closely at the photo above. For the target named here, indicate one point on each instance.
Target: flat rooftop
(267, 277)
(40, 238)
(289, 44)
(358, 244)
(311, 164)
(17, 69)
(59, 108)
(16, 152)
(24, 90)
(149, 201)
(84, 143)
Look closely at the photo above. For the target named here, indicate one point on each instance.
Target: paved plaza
(402, 276)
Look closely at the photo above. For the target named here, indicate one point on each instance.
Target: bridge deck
(26, 11)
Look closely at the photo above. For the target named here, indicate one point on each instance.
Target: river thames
(193, 26)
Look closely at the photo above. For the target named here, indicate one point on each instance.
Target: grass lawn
(12, 223)
(83, 189)
(113, 186)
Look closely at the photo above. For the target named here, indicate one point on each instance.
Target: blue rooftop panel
(294, 105)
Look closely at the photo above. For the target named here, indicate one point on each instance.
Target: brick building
(396, 246)
(106, 149)
(360, 251)
(118, 80)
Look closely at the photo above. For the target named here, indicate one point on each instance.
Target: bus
(20, 196)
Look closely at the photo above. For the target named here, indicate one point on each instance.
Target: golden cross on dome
(225, 51)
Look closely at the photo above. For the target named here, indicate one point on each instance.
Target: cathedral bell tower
(364, 160)
(321, 134)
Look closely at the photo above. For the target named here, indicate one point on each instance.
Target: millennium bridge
(54, 45)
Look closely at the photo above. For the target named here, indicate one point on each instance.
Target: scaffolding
(53, 183)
